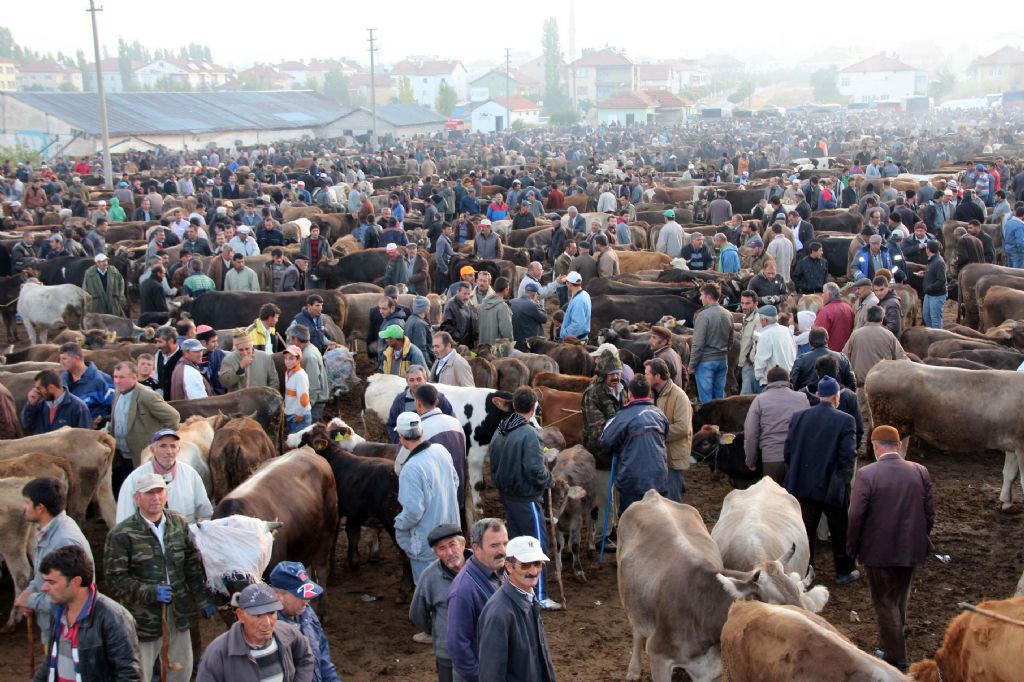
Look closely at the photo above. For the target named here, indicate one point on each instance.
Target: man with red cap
(891, 517)
(295, 589)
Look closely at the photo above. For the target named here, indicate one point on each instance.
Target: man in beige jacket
(673, 401)
(245, 366)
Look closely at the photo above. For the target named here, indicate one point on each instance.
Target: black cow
(725, 455)
(850, 221)
(726, 413)
(646, 308)
(837, 254)
(68, 270)
(225, 309)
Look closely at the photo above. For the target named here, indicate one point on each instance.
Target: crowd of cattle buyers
(591, 311)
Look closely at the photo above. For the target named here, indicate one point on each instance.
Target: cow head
(315, 436)
(770, 583)
(343, 434)
(561, 493)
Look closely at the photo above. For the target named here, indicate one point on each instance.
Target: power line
(373, 87)
(108, 170)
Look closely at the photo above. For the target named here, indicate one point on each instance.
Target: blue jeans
(676, 485)
(293, 426)
(563, 294)
(417, 569)
(1015, 259)
(933, 310)
(626, 499)
(749, 383)
(710, 376)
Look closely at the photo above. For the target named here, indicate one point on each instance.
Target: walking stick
(607, 508)
(31, 631)
(165, 645)
(554, 541)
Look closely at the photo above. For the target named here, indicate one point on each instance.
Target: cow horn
(784, 559)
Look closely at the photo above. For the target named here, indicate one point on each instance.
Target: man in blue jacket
(95, 388)
(636, 436)
(469, 592)
(870, 259)
(519, 473)
(576, 321)
(295, 589)
(50, 406)
(820, 454)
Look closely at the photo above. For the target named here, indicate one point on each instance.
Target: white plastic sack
(236, 544)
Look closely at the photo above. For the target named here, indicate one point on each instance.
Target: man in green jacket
(106, 286)
(494, 321)
(153, 569)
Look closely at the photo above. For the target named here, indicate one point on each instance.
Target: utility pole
(108, 170)
(508, 88)
(373, 88)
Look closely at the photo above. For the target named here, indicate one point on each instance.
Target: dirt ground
(371, 636)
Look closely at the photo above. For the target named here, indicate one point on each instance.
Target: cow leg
(634, 671)
(1013, 465)
(476, 478)
(375, 546)
(574, 548)
(21, 573)
(30, 331)
(353, 528)
(705, 667)
(104, 497)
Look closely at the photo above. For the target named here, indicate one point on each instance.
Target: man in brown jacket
(419, 278)
(258, 646)
(866, 347)
(673, 401)
(220, 265)
(607, 259)
(891, 517)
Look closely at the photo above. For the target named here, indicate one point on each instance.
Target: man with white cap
(259, 646)
(106, 286)
(427, 491)
(186, 493)
(295, 589)
(244, 243)
(576, 322)
(775, 346)
(486, 242)
(512, 642)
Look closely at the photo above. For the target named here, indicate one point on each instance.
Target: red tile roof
(629, 100)
(879, 63)
(517, 103)
(664, 98)
(1004, 56)
(44, 66)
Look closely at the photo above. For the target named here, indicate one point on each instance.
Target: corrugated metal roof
(187, 112)
(408, 115)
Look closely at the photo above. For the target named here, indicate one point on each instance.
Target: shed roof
(879, 63)
(403, 114)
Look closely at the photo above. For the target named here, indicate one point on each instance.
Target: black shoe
(847, 578)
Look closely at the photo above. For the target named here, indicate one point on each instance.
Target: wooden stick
(554, 543)
(165, 646)
(31, 631)
(990, 614)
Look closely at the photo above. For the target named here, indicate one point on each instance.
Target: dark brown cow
(951, 362)
(561, 382)
(991, 358)
(263, 404)
(728, 414)
(238, 449)
(297, 489)
(967, 281)
(571, 358)
(512, 373)
(946, 347)
(916, 340)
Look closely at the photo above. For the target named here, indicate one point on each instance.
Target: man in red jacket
(835, 317)
(891, 517)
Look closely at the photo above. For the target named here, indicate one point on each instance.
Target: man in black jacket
(528, 316)
(811, 272)
(103, 642)
(804, 371)
(934, 286)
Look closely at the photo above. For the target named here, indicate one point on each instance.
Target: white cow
(348, 440)
(479, 410)
(761, 524)
(50, 308)
(677, 593)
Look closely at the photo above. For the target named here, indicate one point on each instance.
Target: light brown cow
(908, 396)
(677, 594)
(967, 281)
(770, 643)
(14, 539)
(1001, 304)
(635, 261)
(562, 409)
(196, 435)
(978, 647)
(238, 449)
(562, 382)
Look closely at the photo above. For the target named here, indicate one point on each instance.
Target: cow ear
(577, 493)
(550, 455)
(503, 404)
(739, 588)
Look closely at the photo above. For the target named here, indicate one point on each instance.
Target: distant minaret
(572, 31)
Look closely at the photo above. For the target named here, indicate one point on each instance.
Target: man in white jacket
(775, 346)
(185, 491)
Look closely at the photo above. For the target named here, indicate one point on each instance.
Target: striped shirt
(268, 660)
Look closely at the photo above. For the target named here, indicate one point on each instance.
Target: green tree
(124, 65)
(88, 74)
(405, 94)
(824, 83)
(7, 44)
(556, 101)
(745, 90)
(943, 85)
(336, 87)
(446, 100)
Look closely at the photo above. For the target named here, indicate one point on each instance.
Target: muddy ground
(371, 637)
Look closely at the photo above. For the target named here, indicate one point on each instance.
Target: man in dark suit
(891, 517)
(820, 452)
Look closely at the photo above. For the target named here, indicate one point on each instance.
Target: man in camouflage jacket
(601, 400)
(149, 577)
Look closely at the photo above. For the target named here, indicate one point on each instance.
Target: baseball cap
(191, 345)
(244, 229)
(408, 424)
(948, 192)
(467, 270)
(293, 577)
(525, 549)
(256, 600)
(443, 532)
(392, 331)
(100, 257)
(574, 277)
(294, 350)
(391, 247)
(164, 432)
(604, 347)
(532, 287)
(669, 213)
(147, 482)
(485, 221)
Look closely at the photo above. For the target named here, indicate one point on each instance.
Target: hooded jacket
(116, 213)
(599, 405)
(494, 321)
(636, 435)
(517, 460)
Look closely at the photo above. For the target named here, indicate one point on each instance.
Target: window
(424, 80)
(844, 82)
(581, 73)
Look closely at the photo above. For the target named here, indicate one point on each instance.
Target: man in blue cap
(295, 589)
(820, 454)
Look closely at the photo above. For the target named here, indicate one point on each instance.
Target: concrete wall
(881, 85)
(621, 116)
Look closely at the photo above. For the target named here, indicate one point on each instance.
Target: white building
(688, 73)
(493, 115)
(186, 73)
(426, 77)
(881, 78)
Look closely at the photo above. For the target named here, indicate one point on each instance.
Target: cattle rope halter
(990, 614)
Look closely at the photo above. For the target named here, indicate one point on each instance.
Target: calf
(723, 453)
(769, 643)
(512, 373)
(574, 498)
(728, 414)
(124, 329)
(676, 591)
(238, 449)
(562, 409)
(44, 309)
(561, 382)
(978, 647)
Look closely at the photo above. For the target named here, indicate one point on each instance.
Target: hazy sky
(240, 34)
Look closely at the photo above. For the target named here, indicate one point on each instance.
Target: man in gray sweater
(767, 424)
(429, 608)
(712, 336)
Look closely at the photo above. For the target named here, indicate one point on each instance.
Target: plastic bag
(233, 545)
(341, 370)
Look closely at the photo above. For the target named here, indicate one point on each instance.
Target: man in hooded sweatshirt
(494, 321)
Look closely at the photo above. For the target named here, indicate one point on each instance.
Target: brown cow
(572, 358)
(484, 373)
(984, 284)
(263, 404)
(36, 464)
(238, 449)
(978, 647)
(562, 409)
(562, 382)
(946, 347)
(635, 261)
(917, 340)
(967, 281)
(512, 373)
(1001, 304)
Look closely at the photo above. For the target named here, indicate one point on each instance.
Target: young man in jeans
(712, 336)
(934, 286)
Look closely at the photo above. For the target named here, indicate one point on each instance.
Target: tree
(7, 44)
(552, 60)
(824, 83)
(405, 94)
(88, 75)
(446, 100)
(745, 90)
(336, 87)
(943, 85)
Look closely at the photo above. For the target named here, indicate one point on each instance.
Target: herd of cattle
(712, 602)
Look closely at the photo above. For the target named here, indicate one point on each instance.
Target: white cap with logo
(525, 550)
